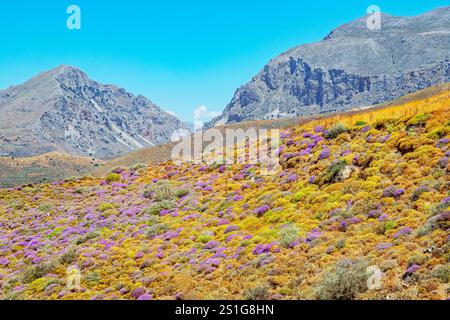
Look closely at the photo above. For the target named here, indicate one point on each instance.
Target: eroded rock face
(352, 67)
(63, 110)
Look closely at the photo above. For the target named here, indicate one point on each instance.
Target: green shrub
(113, 177)
(93, 277)
(157, 207)
(260, 292)
(340, 244)
(181, 192)
(68, 257)
(163, 191)
(70, 179)
(38, 271)
(288, 234)
(345, 281)
(105, 206)
(16, 205)
(442, 272)
(46, 207)
(335, 131)
(333, 171)
(87, 237)
(419, 120)
(138, 166)
(157, 229)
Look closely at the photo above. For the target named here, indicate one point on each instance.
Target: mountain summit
(352, 67)
(63, 110)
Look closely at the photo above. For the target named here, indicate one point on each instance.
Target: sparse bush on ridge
(159, 206)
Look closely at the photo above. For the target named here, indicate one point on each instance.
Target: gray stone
(63, 110)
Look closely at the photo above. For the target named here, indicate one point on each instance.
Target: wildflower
(442, 142)
(292, 178)
(261, 210)
(313, 234)
(231, 229)
(402, 232)
(324, 154)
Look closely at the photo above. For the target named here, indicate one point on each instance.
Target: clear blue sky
(181, 54)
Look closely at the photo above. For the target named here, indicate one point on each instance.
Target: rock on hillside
(352, 67)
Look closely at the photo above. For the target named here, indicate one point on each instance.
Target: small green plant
(105, 206)
(157, 207)
(157, 229)
(345, 281)
(38, 271)
(46, 207)
(340, 244)
(112, 177)
(181, 192)
(93, 277)
(442, 272)
(360, 123)
(138, 166)
(87, 237)
(260, 292)
(335, 131)
(163, 191)
(333, 171)
(16, 205)
(68, 257)
(419, 120)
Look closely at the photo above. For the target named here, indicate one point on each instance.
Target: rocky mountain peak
(63, 110)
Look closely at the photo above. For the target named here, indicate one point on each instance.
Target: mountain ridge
(63, 110)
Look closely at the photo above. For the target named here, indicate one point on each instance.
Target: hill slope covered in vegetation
(357, 190)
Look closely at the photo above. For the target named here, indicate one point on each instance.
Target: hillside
(369, 188)
(62, 110)
(350, 68)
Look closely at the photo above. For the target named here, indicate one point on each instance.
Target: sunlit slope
(364, 189)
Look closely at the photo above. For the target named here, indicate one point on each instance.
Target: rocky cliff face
(352, 67)
(63, 110)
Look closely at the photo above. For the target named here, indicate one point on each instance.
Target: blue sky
(181, 54)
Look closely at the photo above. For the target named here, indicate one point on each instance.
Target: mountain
(63, 110)
(352, 67)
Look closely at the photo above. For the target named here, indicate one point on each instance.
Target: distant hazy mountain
(63, 110)
(352, 67)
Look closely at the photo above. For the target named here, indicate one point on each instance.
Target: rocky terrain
(63, 110)
(352, 67)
